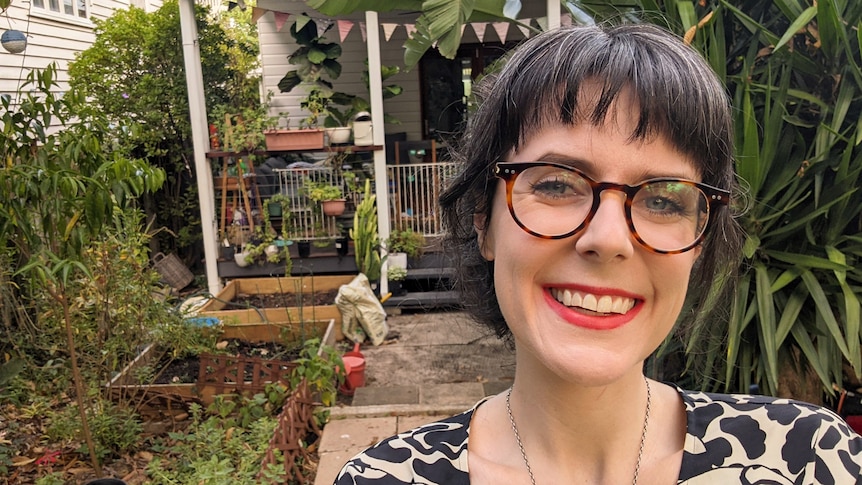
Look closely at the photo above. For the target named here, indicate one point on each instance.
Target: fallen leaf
(22, 460)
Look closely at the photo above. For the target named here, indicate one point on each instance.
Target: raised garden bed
(215, 374)
(279, 301)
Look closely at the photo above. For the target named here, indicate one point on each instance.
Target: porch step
(428, 286)
(423, 300)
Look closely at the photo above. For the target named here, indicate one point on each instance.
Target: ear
(486, 243)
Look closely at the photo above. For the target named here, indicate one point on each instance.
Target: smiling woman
(593, 201)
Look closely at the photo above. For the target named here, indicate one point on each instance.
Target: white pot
(240, 259)
(397, 260)
(339, 135)
(271, 250)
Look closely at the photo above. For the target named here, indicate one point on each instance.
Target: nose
(607, 236)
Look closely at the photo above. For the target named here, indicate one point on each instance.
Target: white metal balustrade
(306, 221)
(413, 192)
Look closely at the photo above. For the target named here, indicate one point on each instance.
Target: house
(433, 104)
(56, 30)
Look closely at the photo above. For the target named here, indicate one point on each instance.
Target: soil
(281, 300)
(185, 370)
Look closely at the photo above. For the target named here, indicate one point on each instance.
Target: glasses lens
(551, 201)
(669, 215)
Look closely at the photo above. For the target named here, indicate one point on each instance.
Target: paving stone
(368, 396)
(406, 423)
(467, 393)
(348, 434)
(331, 463)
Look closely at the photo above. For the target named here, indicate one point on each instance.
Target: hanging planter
(14, 41)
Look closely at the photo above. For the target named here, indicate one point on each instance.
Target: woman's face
(622, 299)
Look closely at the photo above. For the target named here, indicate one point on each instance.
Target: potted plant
(407, 242)
(366, 240)
(396, 276)
(278, 205)
(330, 197)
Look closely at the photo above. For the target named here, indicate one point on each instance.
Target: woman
(593, 203)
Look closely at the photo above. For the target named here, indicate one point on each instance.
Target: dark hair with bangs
(679, 96)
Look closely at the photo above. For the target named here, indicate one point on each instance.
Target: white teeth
(588, 301)
(591, 302)
(605, 304)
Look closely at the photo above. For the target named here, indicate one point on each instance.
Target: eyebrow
(589, 168)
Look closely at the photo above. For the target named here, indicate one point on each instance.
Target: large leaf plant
(793, 71)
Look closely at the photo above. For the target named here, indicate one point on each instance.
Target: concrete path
(438, 364)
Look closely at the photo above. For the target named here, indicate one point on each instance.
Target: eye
(667, 199)
(553, 188)
(555, 184)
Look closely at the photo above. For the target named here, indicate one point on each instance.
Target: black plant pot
(397, 287)
(341, 246)
(226, 252)
(304, 248)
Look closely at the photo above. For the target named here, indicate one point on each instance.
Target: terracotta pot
(287, 140)
(334, 207)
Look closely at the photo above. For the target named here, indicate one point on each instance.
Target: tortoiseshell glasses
(555, 201)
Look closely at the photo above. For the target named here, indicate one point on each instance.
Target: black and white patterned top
(730, 439)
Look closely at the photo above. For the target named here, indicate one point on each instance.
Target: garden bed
(287, 300)
(215, 374)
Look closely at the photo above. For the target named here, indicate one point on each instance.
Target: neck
(592, 430)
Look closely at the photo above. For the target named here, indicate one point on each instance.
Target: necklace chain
(524, 453)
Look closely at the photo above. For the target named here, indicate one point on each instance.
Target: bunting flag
(322, 26)
(388, 30)
(566, 20)
(280, 19)
(479, 28)
(502, 29)
(257, 13)
(344, 27)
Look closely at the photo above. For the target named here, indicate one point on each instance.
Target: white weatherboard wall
(276, 46)
(53, 37)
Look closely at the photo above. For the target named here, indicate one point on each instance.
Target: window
(72, 8)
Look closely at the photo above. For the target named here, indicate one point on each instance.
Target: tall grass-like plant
(793, 72)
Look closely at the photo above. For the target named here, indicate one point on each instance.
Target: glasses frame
(509, 171)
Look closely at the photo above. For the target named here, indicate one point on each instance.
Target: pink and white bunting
(344, 27)
(388, 30)
(280, 19)
(502, 29)
(479, 28)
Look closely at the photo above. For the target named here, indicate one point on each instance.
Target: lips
(606, 304)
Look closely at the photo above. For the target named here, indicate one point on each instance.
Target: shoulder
(432, 453)
(791, 439)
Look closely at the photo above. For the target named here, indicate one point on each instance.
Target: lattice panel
(295, 423)
(242, 374)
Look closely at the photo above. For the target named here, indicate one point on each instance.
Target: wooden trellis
(236, 373)
(295, 422)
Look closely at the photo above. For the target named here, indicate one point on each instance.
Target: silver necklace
(524, 453)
